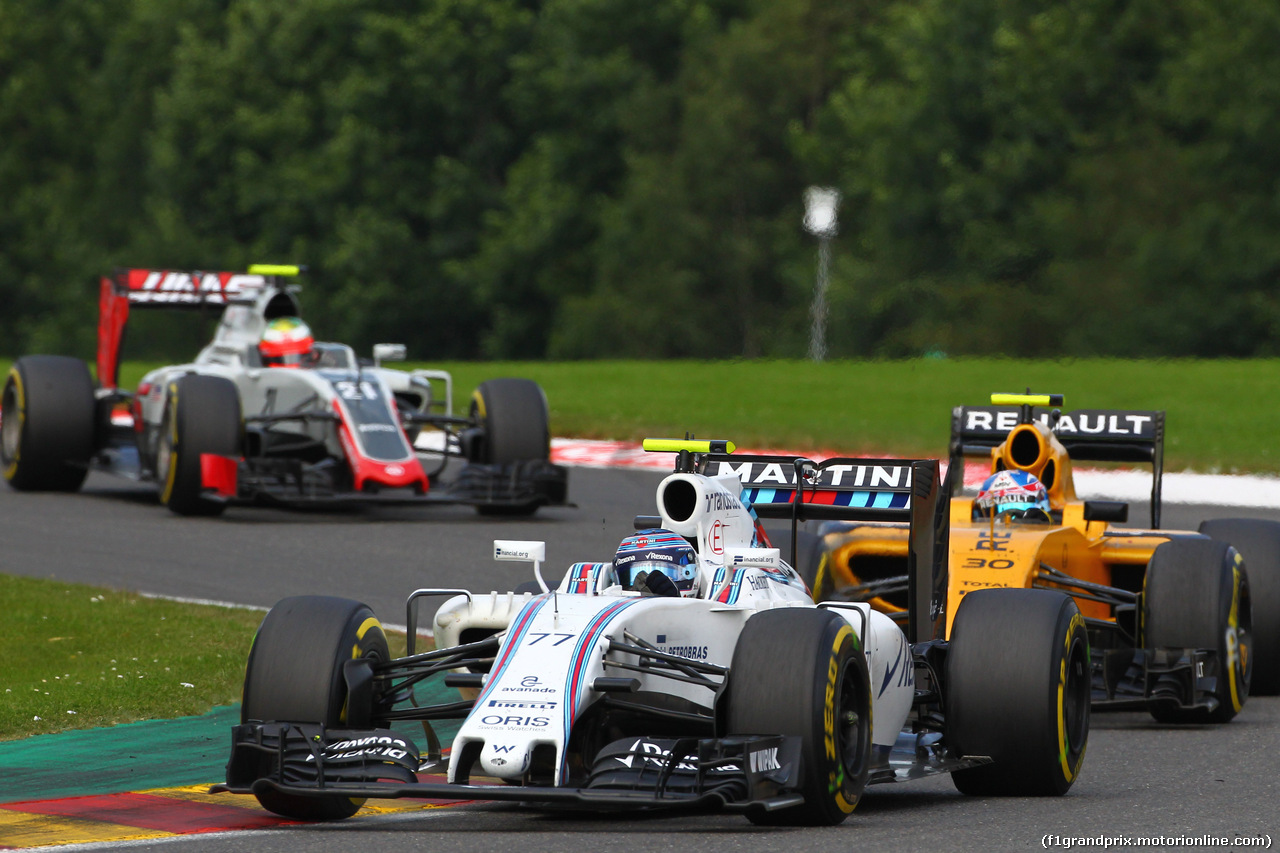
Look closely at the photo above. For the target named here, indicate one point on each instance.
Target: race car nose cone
(505, 760)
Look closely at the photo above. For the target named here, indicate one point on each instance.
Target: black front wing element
(735, 773)
(513, 485)
(1128, 679)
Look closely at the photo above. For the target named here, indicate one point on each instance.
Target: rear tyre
(801, 671)
(202, 415)
(1018, 690)
(47, 421)
(1258, 541)
(513, 414)
(1196, 595)
(294, 674)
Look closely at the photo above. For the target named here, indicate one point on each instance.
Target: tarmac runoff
(1122, 484)
(106, 788)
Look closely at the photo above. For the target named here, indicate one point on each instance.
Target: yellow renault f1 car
(1175, 622)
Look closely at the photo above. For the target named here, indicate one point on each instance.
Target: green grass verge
(79, 657)
(1219, 412)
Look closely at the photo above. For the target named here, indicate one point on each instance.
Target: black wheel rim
(1076, 698)
(1240, 636)
(164, 453)
(852, 724)
(10, 424)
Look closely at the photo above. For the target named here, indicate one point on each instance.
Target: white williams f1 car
(692, 671)
(237, 424)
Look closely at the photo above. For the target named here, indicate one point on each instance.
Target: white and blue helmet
(1012, 493)
(661, 551)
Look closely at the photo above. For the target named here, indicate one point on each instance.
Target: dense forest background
(610, 178)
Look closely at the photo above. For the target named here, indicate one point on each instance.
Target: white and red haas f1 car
(710, 684)
(229, 427)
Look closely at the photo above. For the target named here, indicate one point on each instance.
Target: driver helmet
(1019, 494)
(661, 551)
(287, 342)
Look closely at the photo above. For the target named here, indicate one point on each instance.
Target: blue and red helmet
(657, 550)
(1015, 493)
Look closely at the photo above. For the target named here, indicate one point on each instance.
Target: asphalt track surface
(1140, 778)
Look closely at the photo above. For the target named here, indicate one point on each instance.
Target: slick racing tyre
(202, 415)
(294, 674)
(1018, 691)
(801, 671)
(1196, 595)
(513, 416)
(1258, 541)
(47, 415)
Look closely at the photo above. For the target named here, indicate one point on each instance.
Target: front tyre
(1258, 541)
(1018, 691)
(801, 671)
(1196, 596)
(294, 675)
(513, 416)
(202, 415)
(47, 421)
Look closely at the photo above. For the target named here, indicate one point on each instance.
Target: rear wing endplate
(1088, 435)
(848, 489)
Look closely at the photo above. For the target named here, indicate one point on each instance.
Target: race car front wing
(734, 773)
(527, 484)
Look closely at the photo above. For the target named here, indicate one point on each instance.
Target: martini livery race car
(623, 688)
(1176, 623)
(231, 426)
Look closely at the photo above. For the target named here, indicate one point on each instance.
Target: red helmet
(286, 342)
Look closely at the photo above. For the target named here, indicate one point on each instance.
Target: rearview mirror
(1116, 511)
(388, 352)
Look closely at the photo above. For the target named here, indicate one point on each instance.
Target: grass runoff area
(1221, 413)
(80, 657)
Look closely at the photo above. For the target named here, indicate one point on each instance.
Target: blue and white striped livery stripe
(858, 500)
(515, 635)
(575, 682)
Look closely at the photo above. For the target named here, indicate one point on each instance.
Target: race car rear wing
(193, 290)
(1088, 435)
(903, 490)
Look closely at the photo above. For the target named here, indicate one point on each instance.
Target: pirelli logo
(851, 476)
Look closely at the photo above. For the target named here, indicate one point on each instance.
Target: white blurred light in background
(820, 206)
